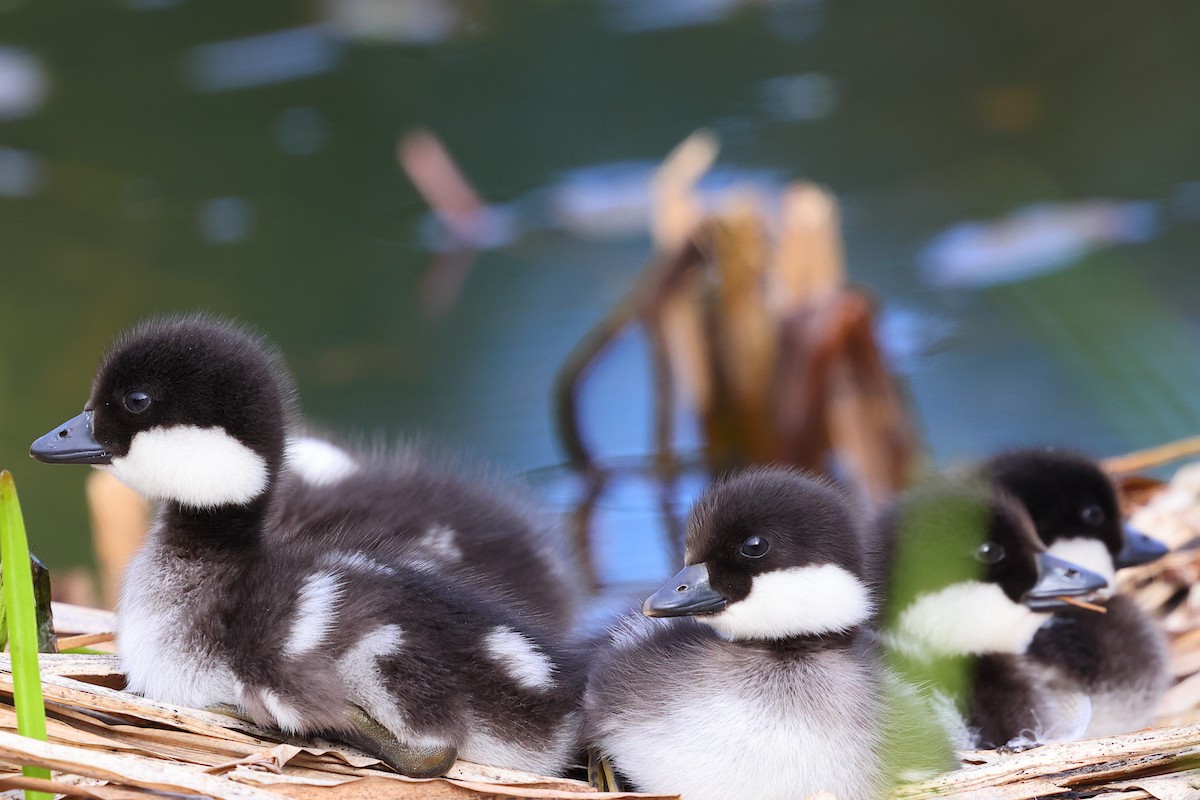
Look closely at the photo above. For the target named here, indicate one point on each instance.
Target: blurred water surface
(1020, 185)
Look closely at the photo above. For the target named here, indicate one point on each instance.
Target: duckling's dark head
(191, 410)
(969, 574)
(1074, 508)
(771, 554)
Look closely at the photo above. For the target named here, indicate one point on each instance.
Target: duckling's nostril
(1071, 573)
(683, 587)
(64, 433)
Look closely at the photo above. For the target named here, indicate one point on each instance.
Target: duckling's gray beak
(687, 593)
(1058, 578)
(71, 443)
(1139, 549)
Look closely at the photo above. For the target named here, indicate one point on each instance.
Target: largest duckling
(770, 688)
(333, 620)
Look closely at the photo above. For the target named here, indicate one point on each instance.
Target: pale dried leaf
(70, 692)
(126, 769)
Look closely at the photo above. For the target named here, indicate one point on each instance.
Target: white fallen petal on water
(1033, 240)
(262, 60)
(393, 21)
(24, 84)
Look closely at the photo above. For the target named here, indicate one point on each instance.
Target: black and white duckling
(299, 601)
(971, 585)
(1118, 658)
(395, 506)
(771, 688)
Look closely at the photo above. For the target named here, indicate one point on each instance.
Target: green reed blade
(22, 624)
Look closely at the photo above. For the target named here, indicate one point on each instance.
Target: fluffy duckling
(1119, 658)
(971, 585)
(314, 605)
(396, 506)
(771, 688)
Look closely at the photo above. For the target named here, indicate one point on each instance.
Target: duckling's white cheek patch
(318, 462)
(195, 467)
(520, 658)
(1091, 554)
(968, 618)
(795, 602)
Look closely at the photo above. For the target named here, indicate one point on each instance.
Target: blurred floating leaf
(23, 629)
(931, 534)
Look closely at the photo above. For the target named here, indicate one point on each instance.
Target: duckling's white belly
(781, 732)
(163, 654)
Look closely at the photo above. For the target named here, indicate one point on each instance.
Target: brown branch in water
(648, 293)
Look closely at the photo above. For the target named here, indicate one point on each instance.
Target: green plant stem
(22, 625)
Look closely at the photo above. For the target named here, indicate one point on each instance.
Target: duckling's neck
(228, 527)
(800, 646)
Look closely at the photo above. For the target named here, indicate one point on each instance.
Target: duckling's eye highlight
(755, 547)
(989, 553)
(137, 402)
(1093, 515)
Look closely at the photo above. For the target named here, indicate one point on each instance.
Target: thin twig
(1152, 457)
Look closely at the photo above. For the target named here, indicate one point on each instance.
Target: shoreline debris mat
(107, 743)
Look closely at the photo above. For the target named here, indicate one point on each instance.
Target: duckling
(770, 689)
(1118, 658)
(406, 505)
(314, 605)
(971, 585)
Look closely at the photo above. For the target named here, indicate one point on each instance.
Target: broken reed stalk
(758, 332)
(1152, 457)
(656, 280)
(20, 606)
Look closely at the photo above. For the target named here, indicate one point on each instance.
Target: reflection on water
(627, 523)
(604, 201)
(159, 155)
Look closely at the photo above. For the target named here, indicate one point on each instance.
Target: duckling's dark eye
(1093, 515)
(137, 402)
(755, 547)
(990, 553)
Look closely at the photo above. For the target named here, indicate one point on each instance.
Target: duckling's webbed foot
(415, 761)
